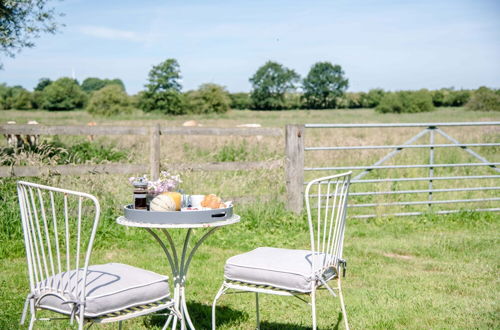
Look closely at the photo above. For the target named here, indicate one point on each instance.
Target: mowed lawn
(425, 272)
(405, 273)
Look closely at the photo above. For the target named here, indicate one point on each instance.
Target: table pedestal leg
(179, 267)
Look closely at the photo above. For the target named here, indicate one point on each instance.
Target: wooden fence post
(154, 154)
(294, 167)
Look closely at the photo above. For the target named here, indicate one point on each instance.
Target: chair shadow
(201, 315)
(266, 325)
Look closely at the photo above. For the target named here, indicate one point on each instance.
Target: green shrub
(456, 98)
(391, 102)
(240, 101)
(63, 94)
(15, 97)
(372, 98)
(293, 101)
(21, 99)
(37, 99)
(406, 102)
(4, 94)
(108, 101)
(438, 97)
(168, 102)
(484, 99)
(208, 98)
(351, 100)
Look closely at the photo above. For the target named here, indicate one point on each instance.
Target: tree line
(274, 87)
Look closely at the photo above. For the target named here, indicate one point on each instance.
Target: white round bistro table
(179, 263)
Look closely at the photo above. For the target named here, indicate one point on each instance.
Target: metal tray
(176, 217)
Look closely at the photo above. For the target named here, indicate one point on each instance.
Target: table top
(126, 222)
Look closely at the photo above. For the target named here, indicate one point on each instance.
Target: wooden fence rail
(154, 132)
(73, 130)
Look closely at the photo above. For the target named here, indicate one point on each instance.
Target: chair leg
(313, 306)
(120, 325)
(217, 296)
(342, 305)
(81, 319)
(33, 314)
(257, 316)
(32, 322)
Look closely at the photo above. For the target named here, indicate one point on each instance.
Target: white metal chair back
(326, 203)
(59, 228)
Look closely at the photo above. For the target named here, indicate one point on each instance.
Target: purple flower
(166, 182)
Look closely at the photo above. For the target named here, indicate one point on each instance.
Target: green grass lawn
(423, 272)
(438, 272)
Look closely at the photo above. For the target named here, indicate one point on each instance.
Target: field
(416, 272)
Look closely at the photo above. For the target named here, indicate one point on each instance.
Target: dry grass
(182, 149)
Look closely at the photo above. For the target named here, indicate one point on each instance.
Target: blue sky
(389, 44)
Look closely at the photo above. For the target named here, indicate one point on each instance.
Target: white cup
(196, 200)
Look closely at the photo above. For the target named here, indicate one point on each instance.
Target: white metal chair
(59, 228)
(298, 272)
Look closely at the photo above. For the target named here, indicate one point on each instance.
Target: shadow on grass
(265, 325)
(201, 315)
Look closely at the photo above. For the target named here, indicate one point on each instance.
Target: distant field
(406, 273)
(265, 118)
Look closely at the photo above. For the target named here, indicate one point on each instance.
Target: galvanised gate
(446, 175)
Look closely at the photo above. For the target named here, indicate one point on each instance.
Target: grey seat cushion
(280, 268)
(110, 287)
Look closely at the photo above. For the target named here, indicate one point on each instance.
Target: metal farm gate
(408, 168)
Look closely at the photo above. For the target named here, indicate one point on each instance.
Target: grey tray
(184, 217)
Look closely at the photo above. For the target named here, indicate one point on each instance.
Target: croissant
(212, 201)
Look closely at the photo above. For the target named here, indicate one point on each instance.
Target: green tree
(23, 21)
(63, 94)
(163, 90)
(93, 84)
(108, 101)
(484, 99)
(42, 83)
(324, 85)
(270, 84)
(209, 98)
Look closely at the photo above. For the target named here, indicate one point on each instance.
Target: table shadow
(201, 315)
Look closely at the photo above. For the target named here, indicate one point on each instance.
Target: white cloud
(110, 34)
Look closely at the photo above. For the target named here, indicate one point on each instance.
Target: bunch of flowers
(166, 182)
